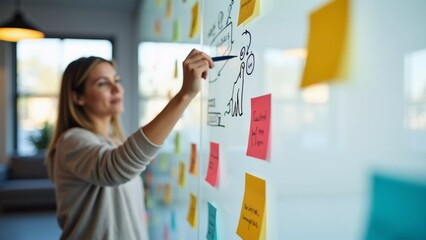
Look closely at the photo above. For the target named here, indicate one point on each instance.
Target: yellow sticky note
(195, 23)
(193, 168)
(167, 194)
(169, 9)
(251, 224)
(192, 212)
(327, 43)
(249, 9)
(182, 174)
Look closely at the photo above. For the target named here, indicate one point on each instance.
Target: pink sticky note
(212, 171)
(165, 232)
(258, 144)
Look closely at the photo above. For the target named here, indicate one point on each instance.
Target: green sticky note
(177, 143)
(163, 162)
(176, 31)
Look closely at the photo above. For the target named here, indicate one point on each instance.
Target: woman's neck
(102, 125)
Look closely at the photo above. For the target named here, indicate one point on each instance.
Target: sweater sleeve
(86, 156)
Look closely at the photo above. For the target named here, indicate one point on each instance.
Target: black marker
(221, 58)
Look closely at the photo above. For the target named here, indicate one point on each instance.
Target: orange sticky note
(251, 224)
(260, 122)
(193, 168)
(157, 27)
(167, 194)
(181, 174)
(192, 212)
(195, 23)
(249, 9)
(212, 171)
(169, 9)
(327, 44)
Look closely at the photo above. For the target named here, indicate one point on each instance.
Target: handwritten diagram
(235, 104)
(221, 37)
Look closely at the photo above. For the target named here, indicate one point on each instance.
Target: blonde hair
(72, 115)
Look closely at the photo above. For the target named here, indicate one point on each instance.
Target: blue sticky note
(398, 209)
(173, 220)
(211, 227)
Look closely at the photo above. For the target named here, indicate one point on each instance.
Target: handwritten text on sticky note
(251, 223)
(249, 9)
(258, 144)
(212, 171)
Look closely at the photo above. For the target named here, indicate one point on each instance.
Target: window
(39, 68)
(159, 79)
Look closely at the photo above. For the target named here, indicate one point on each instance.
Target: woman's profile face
(103, 94)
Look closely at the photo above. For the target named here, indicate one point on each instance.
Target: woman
(99, 193)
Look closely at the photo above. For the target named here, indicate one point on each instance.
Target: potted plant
(41, 139)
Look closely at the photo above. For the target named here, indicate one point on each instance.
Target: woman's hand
(195, 69)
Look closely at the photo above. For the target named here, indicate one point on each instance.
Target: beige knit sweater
(99, 193)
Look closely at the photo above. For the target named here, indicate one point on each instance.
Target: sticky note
(193, 168)
(251, 222)
(195, 23)
(181, 174)
(212, 171)
(260, 122)
(157, 27)
(211, 223)
(173, 220)
(164, 162)
(249, 9)
(165, 232)
(167, 193)
(192, 212)
(169, 9)
(177, 143)
(176, 70)
(176, 31)
(326, 44)
(159, 3)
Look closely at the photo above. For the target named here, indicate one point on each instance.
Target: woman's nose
(115, 87)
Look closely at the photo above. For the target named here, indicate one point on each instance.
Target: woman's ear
(76, 100)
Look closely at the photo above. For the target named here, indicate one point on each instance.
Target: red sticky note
(212, 171)
(260, 122)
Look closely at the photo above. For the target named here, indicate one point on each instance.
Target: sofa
(24, 184)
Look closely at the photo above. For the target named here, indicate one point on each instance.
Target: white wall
(70, 20)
